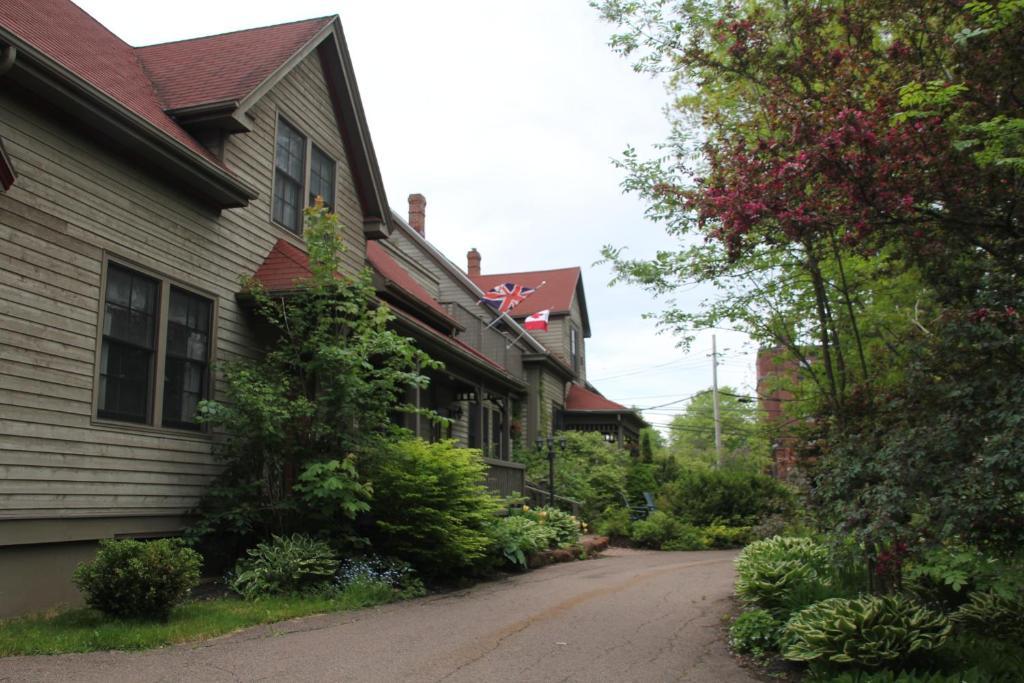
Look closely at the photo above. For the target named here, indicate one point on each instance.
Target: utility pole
(714, 393)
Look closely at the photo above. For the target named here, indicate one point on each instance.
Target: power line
(689, 359)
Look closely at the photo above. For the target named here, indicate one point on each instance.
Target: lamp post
(551, 463)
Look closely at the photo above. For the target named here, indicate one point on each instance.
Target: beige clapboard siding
(417, 262)
(73, 201)
(303, 99)
(79, 465)
(22, 366)
(24, 437)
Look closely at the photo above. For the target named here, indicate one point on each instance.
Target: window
(187, 364)
(127, 354)
(296, 184)
(321, 178)
(574, 348)
(289, 176)
(154, 360)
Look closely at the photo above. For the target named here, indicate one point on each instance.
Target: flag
(505, 297)
(538, 321)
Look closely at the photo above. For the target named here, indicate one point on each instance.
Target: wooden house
(138, 187)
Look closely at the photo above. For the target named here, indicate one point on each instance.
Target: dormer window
(302, 172)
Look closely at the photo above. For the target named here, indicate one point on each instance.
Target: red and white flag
(538, 321)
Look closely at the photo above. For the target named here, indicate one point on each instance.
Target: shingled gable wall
(69, 478)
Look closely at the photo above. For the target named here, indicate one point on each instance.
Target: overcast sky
(506, 116)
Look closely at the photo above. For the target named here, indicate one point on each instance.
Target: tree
(332, 373)
(847, 175)
(692, 432)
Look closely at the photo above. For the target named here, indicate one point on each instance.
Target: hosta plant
(287, 564)
(992, 614)
(518, 536)
(869, 631)
(768, 571)
(565, 527)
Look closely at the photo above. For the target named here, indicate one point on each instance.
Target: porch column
(478, 409)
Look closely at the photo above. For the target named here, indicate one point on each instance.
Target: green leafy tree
(588, 469)
(692, 433)
(332, 373)
(845, 177)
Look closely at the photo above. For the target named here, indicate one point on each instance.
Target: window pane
(119, 287)
(289, 177)
(126, 356)
(188, 349)
(124, 381)
(321, 178)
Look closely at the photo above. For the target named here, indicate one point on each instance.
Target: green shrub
(140, 579)
(589, 470)
(662, 531)
(755, 633)
(721, 536)
(285, 565)
(950, 573)
(991, 614)
(729, 497)
(769, 571)
(518, 536)
(614, 522)
(686, 537)
(566, 527)
(869, 631)
(430, 507)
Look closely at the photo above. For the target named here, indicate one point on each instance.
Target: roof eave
(411, 300)
(53, 82)
(545, 358)
(584, 315)
(441, 344)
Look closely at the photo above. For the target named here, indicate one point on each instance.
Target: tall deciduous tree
(848, 175)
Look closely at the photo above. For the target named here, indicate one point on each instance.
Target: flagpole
(513, 342)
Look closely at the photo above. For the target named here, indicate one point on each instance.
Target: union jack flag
(507, 296)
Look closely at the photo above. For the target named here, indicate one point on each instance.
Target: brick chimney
(473, 262)
(418, 213)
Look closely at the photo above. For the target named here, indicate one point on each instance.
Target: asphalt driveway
(627, 615)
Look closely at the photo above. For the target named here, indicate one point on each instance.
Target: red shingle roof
(384, 264)
(66, 34)
(225, 67)
(580, 398)
(454, 343)
(556, 295)
(283, 266)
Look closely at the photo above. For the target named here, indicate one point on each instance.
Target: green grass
(86, 630)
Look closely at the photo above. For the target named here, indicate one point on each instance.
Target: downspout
(7, 58)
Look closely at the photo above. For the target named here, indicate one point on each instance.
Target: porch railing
(505, 477)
